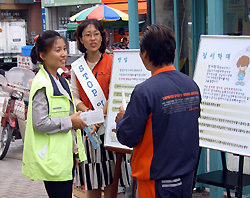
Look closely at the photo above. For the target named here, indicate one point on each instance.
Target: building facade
(29, 10)
(58, 12)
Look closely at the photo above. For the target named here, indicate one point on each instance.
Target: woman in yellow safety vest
(52, 124)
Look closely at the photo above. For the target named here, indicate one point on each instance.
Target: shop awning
(72, 26)
(142, 7)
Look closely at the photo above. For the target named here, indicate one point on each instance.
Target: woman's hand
(76, 162)
(105, 109)
(77, 122)
(95, 128)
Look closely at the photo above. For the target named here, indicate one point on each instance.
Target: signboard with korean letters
(127, 71)
(25, 62)
(223, 75)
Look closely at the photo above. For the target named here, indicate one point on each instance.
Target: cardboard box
(79, 192)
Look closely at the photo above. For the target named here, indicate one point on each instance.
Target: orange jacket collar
(168, 68)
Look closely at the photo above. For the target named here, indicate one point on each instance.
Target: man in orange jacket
(161, 121)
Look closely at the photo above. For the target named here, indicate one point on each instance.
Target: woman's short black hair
(44, 43)
(78, 34)
(159, 42)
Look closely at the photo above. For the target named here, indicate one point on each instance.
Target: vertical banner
(43, 19)
(127, 71)
(223, 75)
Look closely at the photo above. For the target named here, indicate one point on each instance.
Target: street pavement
(14, 184)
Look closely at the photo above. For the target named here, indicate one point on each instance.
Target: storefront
(58, 12)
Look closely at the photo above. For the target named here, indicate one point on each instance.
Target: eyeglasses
(95, 35)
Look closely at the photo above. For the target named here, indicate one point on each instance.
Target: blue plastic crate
(26, 50)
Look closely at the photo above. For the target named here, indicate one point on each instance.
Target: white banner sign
(223, 75)
(127, 71)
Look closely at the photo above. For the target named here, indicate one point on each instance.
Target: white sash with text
(89, 83)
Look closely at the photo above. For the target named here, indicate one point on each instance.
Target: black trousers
(61, 189)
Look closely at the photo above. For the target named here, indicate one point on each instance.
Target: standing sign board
(223, 75)
(127, 71)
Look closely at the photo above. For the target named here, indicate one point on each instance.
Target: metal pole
(149, 21)
(133, 24)
(215, 27)
(176, 31)
(198, 27)
(153, 15)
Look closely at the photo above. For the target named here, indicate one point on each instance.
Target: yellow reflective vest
(49, 157)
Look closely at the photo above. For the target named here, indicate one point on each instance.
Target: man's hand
(77, 122)
(120, 114)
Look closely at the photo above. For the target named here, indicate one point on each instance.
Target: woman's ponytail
(33, 55)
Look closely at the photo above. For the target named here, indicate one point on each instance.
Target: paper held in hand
(93, 117)
(124, 103)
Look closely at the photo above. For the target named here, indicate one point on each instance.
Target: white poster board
(25, 62)
(225, 89)
(127, 71)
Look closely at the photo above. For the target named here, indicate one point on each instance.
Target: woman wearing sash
(98, 169)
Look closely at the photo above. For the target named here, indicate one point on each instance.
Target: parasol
(106, 25)
(100, 12)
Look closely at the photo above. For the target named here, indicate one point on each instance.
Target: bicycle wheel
(5, 138)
